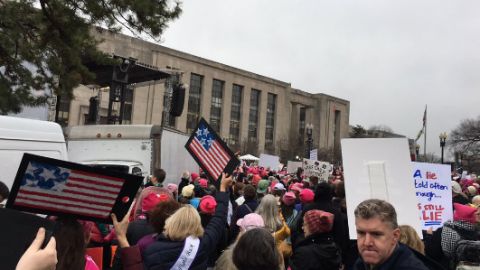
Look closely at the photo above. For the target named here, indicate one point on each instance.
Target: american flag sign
(210, 152)
(70, 191)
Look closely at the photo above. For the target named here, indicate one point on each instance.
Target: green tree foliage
(44, 44)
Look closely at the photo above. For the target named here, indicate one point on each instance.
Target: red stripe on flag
(26, 193)
(95, 182)
(87, 194)
(98, 176)
(215, 162)
(65, 211)
(203, 159)
(63, 204)
(222, 151)
(206, 157)
(91, 188)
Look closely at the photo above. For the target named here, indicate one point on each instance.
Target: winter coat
(317, 251)
(239, 213)
(451, 236)
(163, 253)
(402, 258)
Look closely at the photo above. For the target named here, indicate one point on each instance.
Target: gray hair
(268, 210)
(375, 208)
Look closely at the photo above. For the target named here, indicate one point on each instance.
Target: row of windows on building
(218, 86)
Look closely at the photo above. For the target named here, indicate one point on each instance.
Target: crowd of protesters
(262, 219)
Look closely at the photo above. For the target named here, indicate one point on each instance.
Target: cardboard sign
(379, 169)
(292, 166)
(317, 168)
(269, 161)
(60, 188)
(433, 189)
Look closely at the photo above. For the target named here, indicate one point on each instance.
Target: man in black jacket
(377, 239)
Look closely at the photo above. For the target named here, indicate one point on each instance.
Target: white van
(21, 135)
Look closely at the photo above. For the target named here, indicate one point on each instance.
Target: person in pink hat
(464, 222)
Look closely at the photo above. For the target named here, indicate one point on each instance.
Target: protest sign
(433, 190)
(317, 168)
(380, 169)
(60, 188)
(269, 161)
(314, 154)
(292, 166)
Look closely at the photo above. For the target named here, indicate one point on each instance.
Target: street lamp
(417, 150)
(309, 129)
(443, 139)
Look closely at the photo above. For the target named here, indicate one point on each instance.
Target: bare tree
(465, 138)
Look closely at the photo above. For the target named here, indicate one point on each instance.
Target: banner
(269, 161)
(317, 168)
(434, 195)
(292, 166)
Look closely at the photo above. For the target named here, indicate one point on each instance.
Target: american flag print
(209, 152)
(57, 189)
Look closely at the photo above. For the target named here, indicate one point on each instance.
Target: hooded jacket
(317, 251)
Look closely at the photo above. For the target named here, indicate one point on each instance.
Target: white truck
(21, 135)
(134, 149)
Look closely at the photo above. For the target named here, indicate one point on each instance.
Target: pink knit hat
(208, 205)
(464, 213)
(307, 196)
(203, 183)
(251, 221)
(289, 198)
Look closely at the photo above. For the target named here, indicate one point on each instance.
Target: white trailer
(135, 149)
(21, 135)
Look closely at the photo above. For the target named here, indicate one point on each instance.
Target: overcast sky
(388, 58)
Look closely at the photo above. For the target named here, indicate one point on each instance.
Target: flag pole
(425, 137)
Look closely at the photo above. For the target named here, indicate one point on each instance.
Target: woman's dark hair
(70, 238)
(249, 192)
(323, 192)
(161, 212)
(256, 250)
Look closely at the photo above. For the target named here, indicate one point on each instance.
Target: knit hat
(194, 176)
(152, 199)
(456, 187)
(203, 183)
(307, 196)
(464, 213)
(208, 205)
(262, 186)
(278, 186)
(318, 221)
(296, 187)
(472, 191)
(251, 221)
(172, 187)
(187, 191)
(289, 198)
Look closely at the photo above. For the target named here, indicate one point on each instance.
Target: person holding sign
(378, 239)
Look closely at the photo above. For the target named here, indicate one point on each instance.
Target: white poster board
(433, 190)
(317, 168)
(269, 161)
(314, 154)
(380, 169)
(292, 166)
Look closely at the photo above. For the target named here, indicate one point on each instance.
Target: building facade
(251, 112)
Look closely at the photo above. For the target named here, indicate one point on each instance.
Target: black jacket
(239, 213)
(164, 253)
(402, 258)
(316, 252)
(183, 182)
